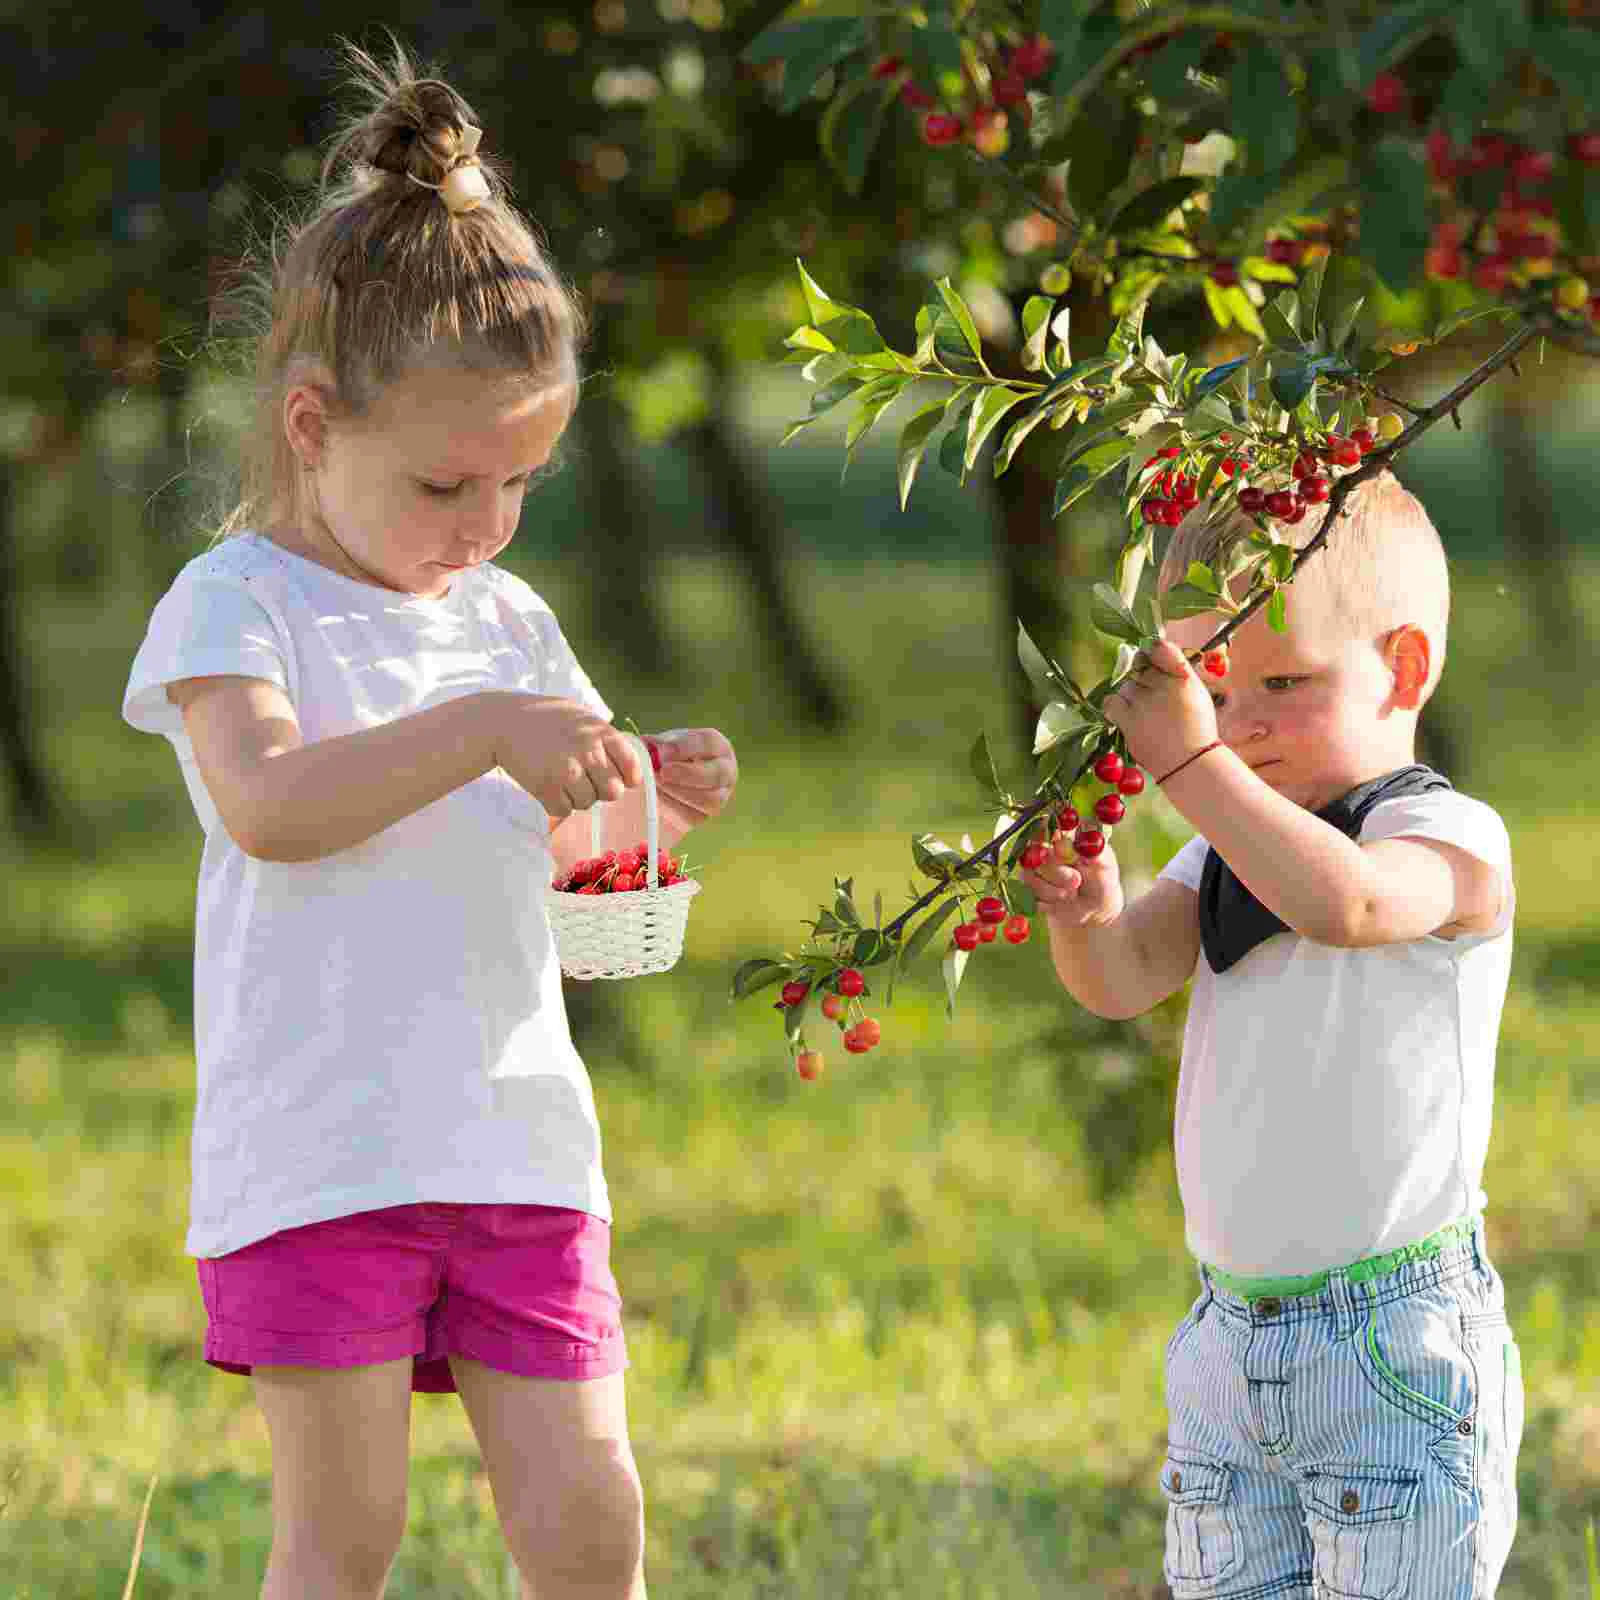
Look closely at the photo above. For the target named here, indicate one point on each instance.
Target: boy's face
(1314, 711)
(432, 480)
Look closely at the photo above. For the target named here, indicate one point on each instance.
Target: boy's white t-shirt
(384, 1025)
(1335, 1104)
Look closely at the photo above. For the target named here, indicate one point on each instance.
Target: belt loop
(1346, 1311)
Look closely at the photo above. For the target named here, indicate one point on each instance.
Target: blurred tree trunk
(745, 521)
(32, 799)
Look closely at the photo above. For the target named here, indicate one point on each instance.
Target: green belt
(1357, 1272)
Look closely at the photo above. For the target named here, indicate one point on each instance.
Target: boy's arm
(1135, 963)
(1322, 883)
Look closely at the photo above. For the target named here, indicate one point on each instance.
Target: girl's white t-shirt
(385, 1025)
(1335, 1104)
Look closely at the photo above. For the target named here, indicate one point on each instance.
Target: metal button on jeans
(1349, 1501)
(1269, 1307)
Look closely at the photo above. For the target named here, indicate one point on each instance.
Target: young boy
(1345, 1397)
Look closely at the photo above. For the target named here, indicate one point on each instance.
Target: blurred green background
(898, 1332)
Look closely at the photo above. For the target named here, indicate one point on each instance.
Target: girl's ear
(305, 421)
(1409, 656)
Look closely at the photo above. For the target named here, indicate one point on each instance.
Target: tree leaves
(757, 974)
(807, 49)
(1262, 112)
(1395, 229)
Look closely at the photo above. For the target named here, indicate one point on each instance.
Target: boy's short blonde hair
(1382, 566)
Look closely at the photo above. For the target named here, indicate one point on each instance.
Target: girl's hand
(699, 772)
(1077, 893)
(1163, 709)
(565, 756)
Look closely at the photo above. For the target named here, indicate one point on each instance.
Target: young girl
(397, 1182)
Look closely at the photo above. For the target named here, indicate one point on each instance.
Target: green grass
(897, 1333)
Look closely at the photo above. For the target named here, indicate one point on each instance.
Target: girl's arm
(285, 800)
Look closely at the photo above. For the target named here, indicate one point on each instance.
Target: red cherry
(833, 1007)
(1216, 663)
(1533, 167)
(809, 1064)
(867, 1028)
(1109, 808)
(1315, 489)
(1010, 89)
(1286, 252)
(1486, 150)
(966, 935)
(1131, 782)
(1304, 465)
(1279, 503)
(886, 66)
(795, 991)
(1109, 767)
(591, 888)
(940, 128)
(1491, 276)
(987, 931)
(1442, 164)
(1151, 509)
(1225, 274)
(851, 983)
(1031, 58)
(1347, 454)
(1171, 513)
(1016, 929)
(854, 1043)
(1170, 452)
(1442, 261)
(1252, 501)
(655, 754)
(915, 96)
(622, 883)
(1364, 439)
(1585, 147)
(1067, 819)
(1296, 514)
(991, 909)
(1386, 94)
(1088, 842)
(1034, 855)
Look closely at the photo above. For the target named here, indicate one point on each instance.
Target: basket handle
(651, 816)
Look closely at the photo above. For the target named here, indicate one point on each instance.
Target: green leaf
(1280, 561)
(1248, 207)
(1344, 292)
(759, 973)
(1570, 53)
(1076, 482)
(1098, 145)
(981, 760)
(844, 907)
(1186, 600)
(1395, 227)
(809, 339)
(933, 50)
(1262, 112)
(914, 437)
(1280, 317)
(821, 305)
(830, 394)
(925, 930)
(1202, 577)
(1110, 614)
(992, 405)
(1277, 614)
(1037, 667)
(854, 333)
(807, 49)
(953, 967)
(875, 398)
(1577, 198)
(871, 949)
(1148, 207)
(1490, 34)
(1057, 722)
(1291, 383)
(795, 1016)
(851, 125)
(1035, 332)
(958, 309)
(953, 447)
(1019, 431)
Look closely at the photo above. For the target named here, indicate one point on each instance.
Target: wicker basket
(623, 935)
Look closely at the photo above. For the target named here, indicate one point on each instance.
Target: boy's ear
(1408, 655)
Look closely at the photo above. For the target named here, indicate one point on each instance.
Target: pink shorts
(522, 1288)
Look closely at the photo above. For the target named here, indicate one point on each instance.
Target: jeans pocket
(1202, 1530)
(1359, 1519)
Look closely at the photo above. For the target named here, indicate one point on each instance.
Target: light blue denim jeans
(1355, 1440)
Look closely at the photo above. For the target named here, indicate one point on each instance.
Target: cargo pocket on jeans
(1360, 1521)
(1202, 1532)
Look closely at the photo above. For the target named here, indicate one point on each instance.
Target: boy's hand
(1073, 893)
(1163, 709)
(699, 772)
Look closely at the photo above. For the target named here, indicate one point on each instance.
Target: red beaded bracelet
(1216, 744)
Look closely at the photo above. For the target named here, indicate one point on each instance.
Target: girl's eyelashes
(442, 491)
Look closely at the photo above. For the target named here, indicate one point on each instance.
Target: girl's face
(1314, 711)
(431, 481)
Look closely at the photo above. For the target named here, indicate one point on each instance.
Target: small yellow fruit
(1572, 294)
(1409, 348)
(1390, 426)
(1055, 279)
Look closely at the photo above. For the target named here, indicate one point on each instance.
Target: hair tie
(464, 187)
